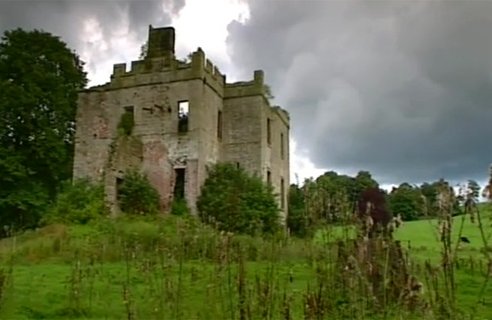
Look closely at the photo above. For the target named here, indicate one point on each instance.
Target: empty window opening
(282, 194)
(127, 121)
(183, 115)
(282, 146)
(129, 109)
(119, 183)
(179, 183)
(219, 124)
(269, 177)
(238, 165)
(269, 131)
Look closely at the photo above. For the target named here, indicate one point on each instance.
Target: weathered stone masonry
(186, 117)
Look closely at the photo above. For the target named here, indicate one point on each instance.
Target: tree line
(332, 199)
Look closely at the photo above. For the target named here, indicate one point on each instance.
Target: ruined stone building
(186, 117)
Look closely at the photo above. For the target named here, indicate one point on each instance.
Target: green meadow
(176, 268)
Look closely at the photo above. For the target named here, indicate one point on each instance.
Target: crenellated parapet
(247, 88)
(252, 88)
(164, 69)
(161, 66)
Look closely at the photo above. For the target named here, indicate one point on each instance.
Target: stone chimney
(161, 42)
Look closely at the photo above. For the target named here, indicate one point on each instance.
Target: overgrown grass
(177, 268)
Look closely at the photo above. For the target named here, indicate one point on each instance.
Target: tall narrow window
(179, 183)
(183, 115)
(119, 182)
(282, 194)
(269, 177)
(269, 131)
(282, 146)
(127, 121)
(219, 124)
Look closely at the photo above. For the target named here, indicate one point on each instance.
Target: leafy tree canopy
(39, 80)
(407, 201)
(364, 181)
(235, 201)
(298, 220)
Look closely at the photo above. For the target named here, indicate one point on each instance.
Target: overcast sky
(402, 88)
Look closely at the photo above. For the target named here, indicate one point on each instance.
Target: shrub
(235, 201)
(78, 202)
(136, 195)
(179, 207)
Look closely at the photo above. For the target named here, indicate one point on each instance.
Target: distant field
(423, 235)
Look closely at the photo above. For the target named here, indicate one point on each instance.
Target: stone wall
(277, 155)
(248, 118)
(242, 133)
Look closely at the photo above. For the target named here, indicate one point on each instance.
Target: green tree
(429, 191)
(451, 199)
(313, 201)
(39, 80)
(332, 198)
(363, 181)
(335, 191)
(78, 202)
(470, 198)
(235, 201)
(407, 201)
(473, 191)
(298, 221)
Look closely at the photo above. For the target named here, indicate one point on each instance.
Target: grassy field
(424, 234)
(174, 268)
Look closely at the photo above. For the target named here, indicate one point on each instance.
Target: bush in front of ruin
(234, 201)
(136, 195)
(78, 202)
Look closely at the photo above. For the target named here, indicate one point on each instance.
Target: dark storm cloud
(66, 18)
(401, 88)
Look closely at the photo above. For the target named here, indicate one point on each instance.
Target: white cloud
(198, 24)
(100, 52)
(301, 167)
(204, 24)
